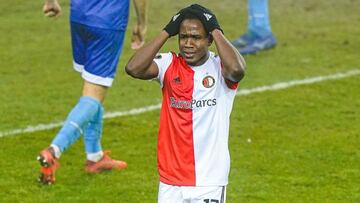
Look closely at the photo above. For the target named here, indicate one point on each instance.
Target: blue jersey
(106, 14)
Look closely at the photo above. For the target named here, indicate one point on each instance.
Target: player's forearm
(233, 63)
(141, 11)
(51, 1)
(142, 60)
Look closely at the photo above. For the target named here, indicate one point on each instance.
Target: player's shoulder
(214, 58)
(163, 56)
(163, 60)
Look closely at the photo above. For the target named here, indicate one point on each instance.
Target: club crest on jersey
(208, 81)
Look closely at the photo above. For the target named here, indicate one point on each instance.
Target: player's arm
(233, 63)
(139, 30)
(51, 8)
(141, 65)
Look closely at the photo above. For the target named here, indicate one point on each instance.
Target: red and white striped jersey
(194, 122)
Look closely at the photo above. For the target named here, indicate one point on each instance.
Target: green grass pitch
(299, 144)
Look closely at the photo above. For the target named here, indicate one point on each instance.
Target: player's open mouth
(189, 54)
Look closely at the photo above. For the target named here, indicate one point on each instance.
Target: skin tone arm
(233, 63)
(51, 8)
(141, 64)
(139, 30)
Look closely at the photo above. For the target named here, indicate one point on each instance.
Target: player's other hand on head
(206, 16)
(51, 8)
(172, 28)
(138, 36)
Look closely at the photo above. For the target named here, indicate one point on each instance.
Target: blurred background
(298, 144)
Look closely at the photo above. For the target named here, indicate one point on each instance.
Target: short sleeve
(230, 84)
(163, 61)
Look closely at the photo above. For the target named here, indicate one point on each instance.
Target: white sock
(56, 151)
(95, 157)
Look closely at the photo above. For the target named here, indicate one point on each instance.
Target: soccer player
(97, 31)
(259, 35)
(198, 89)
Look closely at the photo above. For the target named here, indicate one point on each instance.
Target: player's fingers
(136, 41)
(51, 13)
(137, 44)
(134, 33)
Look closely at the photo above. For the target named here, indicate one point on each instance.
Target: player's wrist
(214, 27)
(168, 32)
(216, 32)
(165, 34)
(171, 29)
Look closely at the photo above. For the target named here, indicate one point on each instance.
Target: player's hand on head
(206, 16)
(172, 28)
(51, 8)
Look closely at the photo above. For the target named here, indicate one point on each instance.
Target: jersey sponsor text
(184, 104)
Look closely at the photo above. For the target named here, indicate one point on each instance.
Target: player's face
(193, 42)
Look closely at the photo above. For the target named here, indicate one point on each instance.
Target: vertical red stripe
(176, 161)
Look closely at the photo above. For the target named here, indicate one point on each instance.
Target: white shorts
(188, 194)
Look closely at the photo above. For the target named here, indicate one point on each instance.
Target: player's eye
(182, 36)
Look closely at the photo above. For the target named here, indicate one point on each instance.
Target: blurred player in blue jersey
(259, 36)
(97, 32)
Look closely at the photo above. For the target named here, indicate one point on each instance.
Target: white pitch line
(242, 92)
(306, 81)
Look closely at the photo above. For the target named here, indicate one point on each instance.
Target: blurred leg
(258, 18)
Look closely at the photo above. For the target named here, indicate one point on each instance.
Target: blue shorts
(96, 52)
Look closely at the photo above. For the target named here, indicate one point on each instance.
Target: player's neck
(201, 61)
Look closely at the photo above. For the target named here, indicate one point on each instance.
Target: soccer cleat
(258, 44)
(243, 40)
(105, 164)
(49, 164)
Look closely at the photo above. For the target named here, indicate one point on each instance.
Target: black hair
(192, 16)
